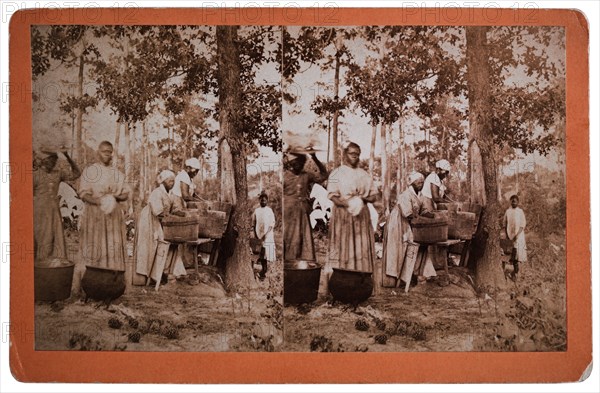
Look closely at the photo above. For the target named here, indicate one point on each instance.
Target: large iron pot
(350, 286)
(103, 284)
(52, 280)
(300, 281)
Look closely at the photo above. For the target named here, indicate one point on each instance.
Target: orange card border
(28, 365)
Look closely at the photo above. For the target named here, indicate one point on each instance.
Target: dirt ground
(192, 314)
(529, 315)
(197, 314)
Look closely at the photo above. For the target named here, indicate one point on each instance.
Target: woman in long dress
(149, 231)
(434, 191)
(102, 232)
(398, 232)
(183, 190)
(351, 237)
(48, 232)
(298, 243)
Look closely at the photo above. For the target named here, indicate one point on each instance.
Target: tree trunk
(116, 146)
(389, 154)
(127, 160)
(238, 270)
(372, 154)
(499, 182)
(476, 180)
(143, 163)
(336, 114)
(200, 174)
(80, 149)
(384, 170)
(129, 164)
(401, 170)
(170, 155)
(488, 272)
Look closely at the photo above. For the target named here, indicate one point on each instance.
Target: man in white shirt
(514, 224)
(263, 222)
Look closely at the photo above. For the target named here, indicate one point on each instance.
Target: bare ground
(193, 314)
(528, 315)
(197, 314)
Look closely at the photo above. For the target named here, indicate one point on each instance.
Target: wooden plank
(464, 256)
(214, 254)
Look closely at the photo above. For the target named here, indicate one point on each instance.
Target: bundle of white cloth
(108, 203)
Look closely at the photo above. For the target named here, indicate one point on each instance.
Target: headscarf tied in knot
(193, 163)
(165, 175)
(414, 176)
(444, 165)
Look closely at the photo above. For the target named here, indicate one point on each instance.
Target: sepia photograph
(424, 189)
(157, 179)
(298, 195)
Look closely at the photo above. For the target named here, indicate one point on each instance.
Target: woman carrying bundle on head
(48, 232)
(298, 242)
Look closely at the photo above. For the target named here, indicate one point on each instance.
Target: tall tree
(515, 99)
(325, 47)
(488, 273)
(190, 133)
(238, 272)
(73, 47)
(408, 67)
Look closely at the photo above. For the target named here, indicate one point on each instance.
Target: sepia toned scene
(299, 188)
(157, 188)
(424, 189)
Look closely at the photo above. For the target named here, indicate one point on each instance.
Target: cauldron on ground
(350, 286)
(103, 284)
(52, 280)
(300, 281)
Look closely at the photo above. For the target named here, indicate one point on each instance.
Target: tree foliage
(189, 133)
(525, 110)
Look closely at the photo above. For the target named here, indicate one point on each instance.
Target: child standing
(514, 224)
(263, 222)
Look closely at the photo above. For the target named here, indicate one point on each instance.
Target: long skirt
(103, 238)
(351, 240)
(298, 241)
(394, 249)
(48, 232)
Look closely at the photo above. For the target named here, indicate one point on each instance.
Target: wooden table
(445, 243)
(199, 241)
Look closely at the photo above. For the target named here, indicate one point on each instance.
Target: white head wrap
(443, 164)
(164, 175)
(193, 163)
(414, 176)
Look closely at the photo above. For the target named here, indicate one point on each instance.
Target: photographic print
(424, 188)
(157, 188)
(339, 195)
